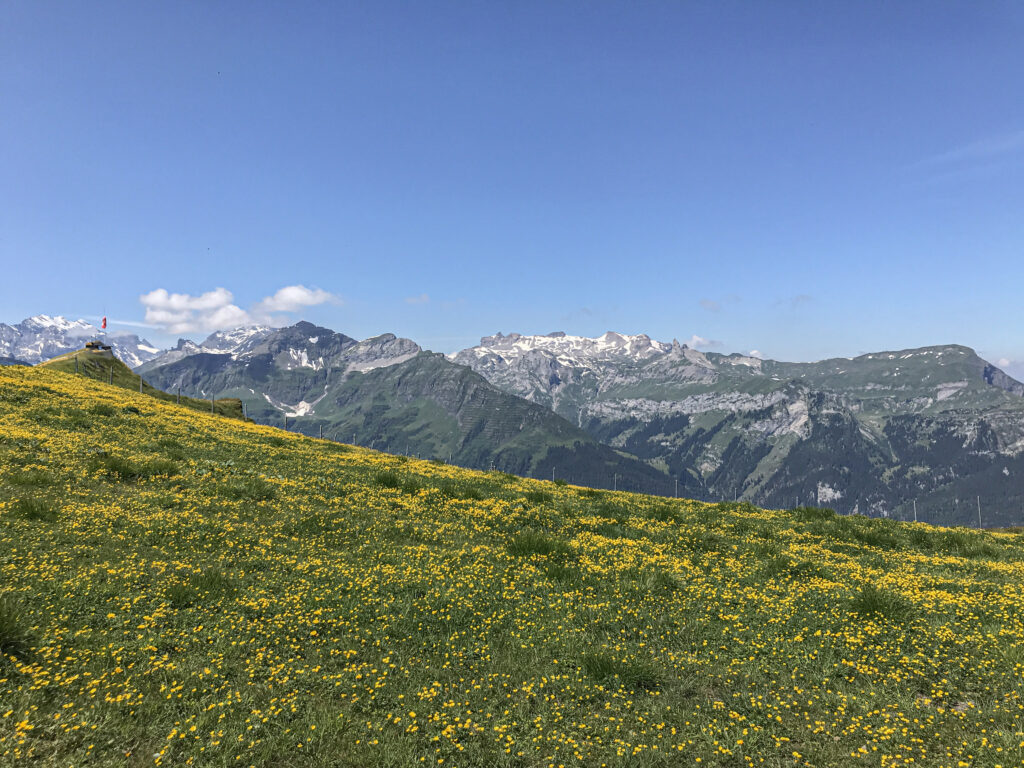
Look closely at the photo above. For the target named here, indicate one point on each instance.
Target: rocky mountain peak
(56, 324)
(234, 339)
(568, 349)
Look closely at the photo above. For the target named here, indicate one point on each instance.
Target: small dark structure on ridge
(98, 348)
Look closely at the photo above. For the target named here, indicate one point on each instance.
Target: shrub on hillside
(125, 469)
(15, 637)
(250, 488)
(813, 513)
(36, 509)
(608, 670)
(872, 600)
(535, 543)
(538, 497)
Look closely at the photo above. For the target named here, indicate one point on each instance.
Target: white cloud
(185, 313)
(755, 353)
(710, 305)
(421, 299)
(216, 311)
(980, 150)
(292, 298)
(1004, 362)
(695, 342)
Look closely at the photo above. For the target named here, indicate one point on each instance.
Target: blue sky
(804, 179)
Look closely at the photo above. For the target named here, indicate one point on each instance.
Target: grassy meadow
(184, 589)
(113, 371)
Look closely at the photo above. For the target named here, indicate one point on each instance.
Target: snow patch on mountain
(300, 358)
(302, 408)
(235, 340)
(570, 350)
(827, 494)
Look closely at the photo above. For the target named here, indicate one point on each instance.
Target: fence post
(110, 374)
(76, 363)
(211, 403)
(140, 382)
(179, 395)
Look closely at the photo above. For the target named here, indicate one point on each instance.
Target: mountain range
(42, 337)
(938, 426)
(388, 393)
(937, 431)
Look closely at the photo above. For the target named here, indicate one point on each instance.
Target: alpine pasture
(178, 588)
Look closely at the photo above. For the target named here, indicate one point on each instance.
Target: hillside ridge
(175, 578)
(110, 370)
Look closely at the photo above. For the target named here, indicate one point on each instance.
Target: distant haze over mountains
(870, 434)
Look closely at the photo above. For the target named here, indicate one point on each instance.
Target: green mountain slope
(423, 405)
(111, 370)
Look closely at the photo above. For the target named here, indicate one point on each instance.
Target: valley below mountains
(937, 431)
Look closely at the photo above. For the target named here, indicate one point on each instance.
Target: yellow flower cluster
(181, 589)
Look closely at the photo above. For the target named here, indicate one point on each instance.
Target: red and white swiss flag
(104, 326)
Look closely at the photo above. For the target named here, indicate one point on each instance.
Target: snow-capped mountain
(233, 343)
(303, 345)
(42, 337)
(237, 340)
(553, 368)
(289, 371)
(848, 432)
(571, 350)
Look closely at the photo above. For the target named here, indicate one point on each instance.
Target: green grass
(535, 543)
(16, 640)
(178, 589)
(873, 600)
(630, 674)
(125, 469)
(41, 509)
(112, 370)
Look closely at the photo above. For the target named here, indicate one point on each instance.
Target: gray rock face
(869, 434)
(235, 341)
(386, 392)
(380, 352)
(998, 378)
(284, 369)
(42, 337)
(231, 342)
